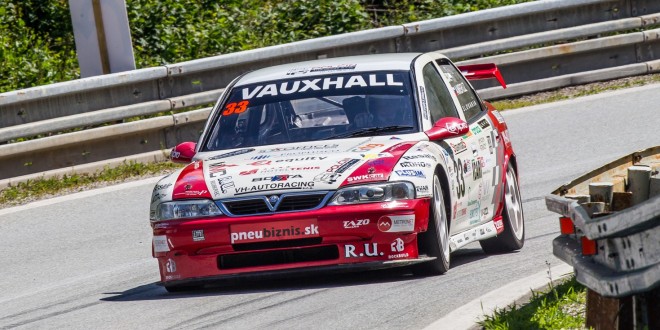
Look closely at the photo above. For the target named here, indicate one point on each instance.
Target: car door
(480, 158)
(437, 102)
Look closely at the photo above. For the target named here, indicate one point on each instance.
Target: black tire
(513, 236)
(435, 241)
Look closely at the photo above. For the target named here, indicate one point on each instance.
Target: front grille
(269, 258)
(277, 244)
(300, 202)
(286, 203)
(249, 206)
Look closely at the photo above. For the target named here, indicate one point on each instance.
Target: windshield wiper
(366, 131)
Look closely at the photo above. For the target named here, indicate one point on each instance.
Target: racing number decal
(235, 107)
(460, 180)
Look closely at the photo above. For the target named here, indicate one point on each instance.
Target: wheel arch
(446, 192)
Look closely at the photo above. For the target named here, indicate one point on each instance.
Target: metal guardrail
(107, 99)
(610, 225)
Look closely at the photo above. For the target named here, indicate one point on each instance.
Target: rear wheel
(513, 236)
(435, 241)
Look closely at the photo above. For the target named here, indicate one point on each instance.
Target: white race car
(360, 162)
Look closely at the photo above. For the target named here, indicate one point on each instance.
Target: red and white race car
(349, 163)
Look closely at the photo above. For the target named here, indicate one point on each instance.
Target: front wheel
(435, 241)
(513, 236)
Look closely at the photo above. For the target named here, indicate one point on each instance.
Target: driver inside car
(389, 110)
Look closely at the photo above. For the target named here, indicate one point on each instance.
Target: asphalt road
(83, 261)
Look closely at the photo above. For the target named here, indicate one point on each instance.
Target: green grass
(560, 307)
(45, 187)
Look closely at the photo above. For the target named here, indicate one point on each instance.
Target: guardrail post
(616, 253)
(608, 313)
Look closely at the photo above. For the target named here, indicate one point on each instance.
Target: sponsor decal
(415, 164)
(422, 156)
(260, 157)
(366, 147)
(279, 177)
(160, 244)
(469, 106)
(422, 189)
(498, 116)
(476, 130)
(459, 89)
(476, 170)
(311, 85)
(157, 196)
(422, 101)
(414, 173)
(225, 184)
(456, 127)
(250, 172)
(369, 250)
(483, 123)
(376, 156)
(482, 143)
(198, 235)
(214, 187)
(350, 224)
(505, 137)
(218, 169)
(375, 162)
(296, 148)
(397, 245)
(342, 165)
(475, 149)
(170, 266)
(499, 225)
(467, 166)
(396, 223)
(458, 147)
(366, 177)
(274, 186)
(192, 193)
(273, 231)
(327, 68)
(233, 153)
(162, 186)
(288, 169)
(327, 177)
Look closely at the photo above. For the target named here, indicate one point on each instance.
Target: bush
(37, 45)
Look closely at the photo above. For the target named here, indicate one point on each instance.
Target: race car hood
(322, 165)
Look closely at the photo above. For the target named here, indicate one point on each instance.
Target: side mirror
(183, 152)
(447, 127)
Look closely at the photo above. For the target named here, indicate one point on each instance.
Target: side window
(470, 104)
(438, 97)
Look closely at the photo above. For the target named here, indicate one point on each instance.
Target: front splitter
(295, 272)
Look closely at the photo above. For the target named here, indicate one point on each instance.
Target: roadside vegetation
(37, 45)
(558, 307)
(43, 188)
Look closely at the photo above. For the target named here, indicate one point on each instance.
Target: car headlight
(374, 193)
(197, 208)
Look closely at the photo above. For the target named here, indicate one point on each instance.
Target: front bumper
(333, 238)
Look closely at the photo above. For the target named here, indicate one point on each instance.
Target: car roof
(348, 64)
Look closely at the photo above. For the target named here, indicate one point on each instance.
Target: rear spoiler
(482, 71)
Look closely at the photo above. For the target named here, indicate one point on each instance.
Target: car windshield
(315, 108)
